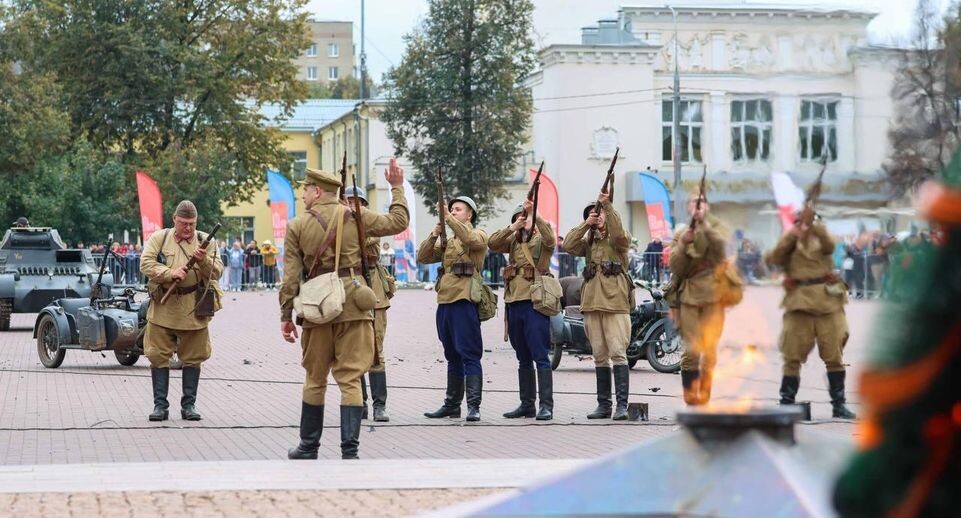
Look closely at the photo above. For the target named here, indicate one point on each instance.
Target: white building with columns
(764, 88)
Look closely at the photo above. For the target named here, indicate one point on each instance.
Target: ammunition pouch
(510, 271)
(611, 268)
(526, 271)
(462, 269)
(206, 301)
(590, 270)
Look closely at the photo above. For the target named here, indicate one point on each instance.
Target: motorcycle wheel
(48, 343)
(557, 350)
(126, 358)
(664, 336)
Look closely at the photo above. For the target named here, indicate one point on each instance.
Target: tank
(36, 268)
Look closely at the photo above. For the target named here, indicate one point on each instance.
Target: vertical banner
(151, 205)
(281, 196)
(657, 204)
(789, 198)
(547, 208)
(405, 259)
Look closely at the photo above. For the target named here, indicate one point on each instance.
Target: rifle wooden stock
(440, 214)
(607, 187)
(523, 235)
(343, 179)
(190, 263)
(700, 197)
(361, 233)
(814, 192)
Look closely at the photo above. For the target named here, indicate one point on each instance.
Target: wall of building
(323, 34)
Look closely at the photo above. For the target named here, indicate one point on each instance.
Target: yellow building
(254, 217)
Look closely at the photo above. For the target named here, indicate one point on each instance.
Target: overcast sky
(555, 21)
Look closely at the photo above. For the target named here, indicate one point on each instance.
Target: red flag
(547, 200)
(151, 205)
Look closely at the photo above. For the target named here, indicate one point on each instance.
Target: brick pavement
(94, 410)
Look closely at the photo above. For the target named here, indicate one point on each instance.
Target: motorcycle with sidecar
(653, 335)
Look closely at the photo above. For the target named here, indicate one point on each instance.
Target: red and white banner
(547, 202)
(151, 205)
(789, 198)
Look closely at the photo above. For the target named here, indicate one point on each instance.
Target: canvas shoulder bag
(322, 297)
(546, 291)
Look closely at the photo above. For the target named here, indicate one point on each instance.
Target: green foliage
(455, 101)
(171, 88)
(343, 88)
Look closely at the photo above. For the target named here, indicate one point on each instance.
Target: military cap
(470, 203)
(186, 209)
(361, 193)
(324, 179)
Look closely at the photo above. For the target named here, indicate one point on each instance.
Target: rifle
(522, 235)
(440, 214)
(343, 179)
(96, 291)
(190, 263)
(608, 187)
(814, 192)
(361, 233)
(700, 197)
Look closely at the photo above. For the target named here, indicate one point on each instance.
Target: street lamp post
(676, 132)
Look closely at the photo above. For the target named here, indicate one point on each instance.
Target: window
(333, 50)
(312, 51)
(751, 122)
(298, 164)
(332, 73)
(817, 130)
(241, 228)
(311, 73)
(692, 121)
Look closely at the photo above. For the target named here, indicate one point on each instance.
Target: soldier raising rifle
(530, 242)
(607, 296)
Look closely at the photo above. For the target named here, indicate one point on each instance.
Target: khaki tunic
(541, 248)
(177, 312)
(305, 235)
(468, 244)
(808, 260)
(611, 294)
(693, 264)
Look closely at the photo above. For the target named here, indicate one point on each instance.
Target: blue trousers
(458, 327)
(530, 335)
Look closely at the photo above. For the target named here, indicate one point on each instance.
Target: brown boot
(692, 387)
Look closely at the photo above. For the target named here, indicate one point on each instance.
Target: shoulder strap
(329, 236)
(527, 253)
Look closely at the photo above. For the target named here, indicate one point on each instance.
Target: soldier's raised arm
(398, 215)
(548, 239)
(474, 239)
(781, 253)
(574, 241)
(428, 251)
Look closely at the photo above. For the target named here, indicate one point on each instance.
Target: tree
(344, 88)
(164, 86)
(927, 92)
(455, 102)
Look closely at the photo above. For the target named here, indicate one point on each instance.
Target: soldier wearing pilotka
(814, 299)
(383, 285)
(344, 346)
(179, 324)
(528, 329)
(607, 298)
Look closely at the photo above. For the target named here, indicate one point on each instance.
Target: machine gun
(361, 233)
(440, 213)
(96, 291)
(523, 236)
(343, 179)
(702, 187)
(608, 187)
(190, 263)
(814, 192)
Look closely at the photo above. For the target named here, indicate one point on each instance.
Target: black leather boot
(789, 388)
(526, 387)
(378, 392)
(603, 410)
(191, 379)
(453, 399)
(705, 383)
(691, 384)
(475, 386)
(622, 386)
(545, 392)
(836, 390)
(311, 428)
(349, 431)
(363, 391)
(160, 379)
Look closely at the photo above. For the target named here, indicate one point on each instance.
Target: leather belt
(184, 291)
(810, 282)
(343, 272)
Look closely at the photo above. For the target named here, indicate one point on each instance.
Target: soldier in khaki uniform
(814, 299)
(528, 329)
(458, 319)
(607, 298)
(383, 284)
(344, 346)
(164, 260)
(695, 255)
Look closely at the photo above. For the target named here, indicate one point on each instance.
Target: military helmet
(360, 193)
(470, 203)
(517, 210)
(21, 222)
(588, 209)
